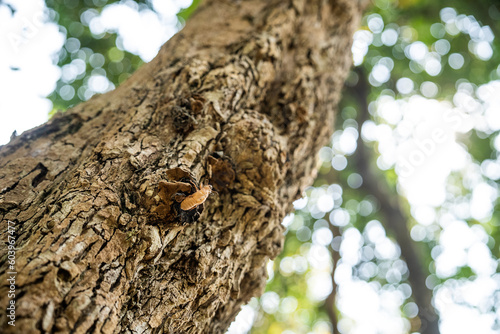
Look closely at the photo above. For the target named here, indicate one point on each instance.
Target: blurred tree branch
(330, 300)
(395, 219)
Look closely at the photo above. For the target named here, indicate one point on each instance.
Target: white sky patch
(391, 110)
(389, 37)
(416, 51)
(347, 140)
(405, 85)
(27, 43)
(319, 258)
(30, 43)
(483, 198)
(425, 215)
(460, 319)
(480, 261)
(489, 95)
(454, 240)
(325, 203)
(142, 32)
(322, 236)
(379, 74)
(243, 321)
(423, 144)
(361, 41)
(319, 285)
(374, 232)
(379, 311)
(461, 245)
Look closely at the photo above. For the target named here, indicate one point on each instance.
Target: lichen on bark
(241, 98)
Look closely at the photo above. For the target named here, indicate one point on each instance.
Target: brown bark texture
(241, 99)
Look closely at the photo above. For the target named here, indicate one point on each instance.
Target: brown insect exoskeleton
(197, 198)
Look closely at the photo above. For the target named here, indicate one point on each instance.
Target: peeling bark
(241, 99)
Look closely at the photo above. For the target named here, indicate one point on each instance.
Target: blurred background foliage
(94, 58)
(364, 232)
(87, 55)
(361, 217)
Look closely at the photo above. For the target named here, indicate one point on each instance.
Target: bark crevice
(102, 246)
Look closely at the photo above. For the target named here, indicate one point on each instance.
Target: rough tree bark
(241, 99)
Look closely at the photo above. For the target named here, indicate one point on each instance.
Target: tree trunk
(240, 99)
